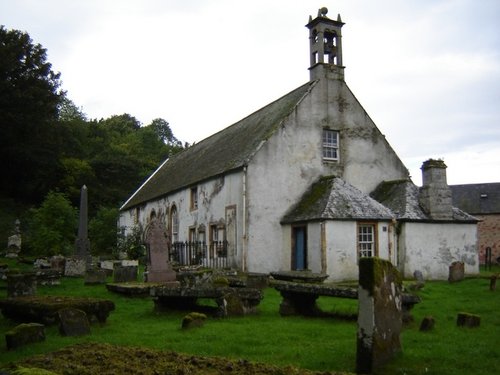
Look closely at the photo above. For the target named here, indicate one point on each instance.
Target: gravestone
(57, 262)
(456, 272)
(193, 320)
(14, 241)
(73, 322)
(379, 314)
(95, 276)
(124, 274)
(427, 324)
(21, 284)
(23, 334)
(74, 267)
(468, 320)
(158, 267)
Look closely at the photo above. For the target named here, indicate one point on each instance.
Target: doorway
(299, 248)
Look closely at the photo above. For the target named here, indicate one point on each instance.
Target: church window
(366, 240)
(330, 144)
(194, 198)
(174, 224)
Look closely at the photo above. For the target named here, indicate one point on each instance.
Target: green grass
(324, 344)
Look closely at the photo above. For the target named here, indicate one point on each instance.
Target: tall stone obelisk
(82, 241)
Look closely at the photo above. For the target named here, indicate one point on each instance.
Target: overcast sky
(426, 71)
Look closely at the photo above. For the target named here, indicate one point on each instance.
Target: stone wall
(488, 230)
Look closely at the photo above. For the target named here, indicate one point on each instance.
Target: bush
(52, 227)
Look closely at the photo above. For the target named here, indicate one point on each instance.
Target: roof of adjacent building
(227, 150)
(402, 198)
(335, 199)
(477, 199)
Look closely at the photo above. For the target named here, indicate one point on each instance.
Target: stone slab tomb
(379, 314)
(44, 309)
(158, 267)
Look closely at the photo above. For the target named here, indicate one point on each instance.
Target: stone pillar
(82, 243)
(379, 314)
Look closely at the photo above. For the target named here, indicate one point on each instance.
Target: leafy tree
(162, 129)
(132, 244)
(29, 99)
(53, 226)
(68, 111)
(103, 231)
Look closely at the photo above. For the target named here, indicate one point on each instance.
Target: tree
(52, 229)
(162, 129)
(103, 231)
(29, 99)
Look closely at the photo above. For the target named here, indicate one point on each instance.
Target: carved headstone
(379, 314)
(159, 268)
(457, 272)
(73, 322)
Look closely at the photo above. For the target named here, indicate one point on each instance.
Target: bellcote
(325, 45)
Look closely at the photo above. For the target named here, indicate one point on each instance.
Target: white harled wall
(432, 247)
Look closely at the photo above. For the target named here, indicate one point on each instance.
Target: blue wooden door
(299, 256)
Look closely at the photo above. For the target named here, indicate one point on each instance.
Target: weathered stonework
(379, 314)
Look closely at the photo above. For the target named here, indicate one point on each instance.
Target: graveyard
(139, 337)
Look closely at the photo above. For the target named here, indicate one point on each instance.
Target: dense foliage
(47, 143)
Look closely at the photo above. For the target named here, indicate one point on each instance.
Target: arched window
(174, 224)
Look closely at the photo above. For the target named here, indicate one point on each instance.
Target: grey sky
(427, 72)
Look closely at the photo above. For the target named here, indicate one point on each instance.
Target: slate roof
(335, 199)
(401, 196)
(477, 199)
(227, 150)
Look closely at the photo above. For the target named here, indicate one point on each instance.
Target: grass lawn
(323, 344)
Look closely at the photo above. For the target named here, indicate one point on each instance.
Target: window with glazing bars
(330, 144)
(366, 240)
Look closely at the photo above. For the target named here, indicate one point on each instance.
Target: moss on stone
(371, 271)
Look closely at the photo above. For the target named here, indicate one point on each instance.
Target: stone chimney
(435, 194)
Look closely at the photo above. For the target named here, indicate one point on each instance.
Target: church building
(307, 182)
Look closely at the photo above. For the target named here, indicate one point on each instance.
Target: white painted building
(260, 185)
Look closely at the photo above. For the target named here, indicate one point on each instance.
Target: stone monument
(158, 265)
(82, 260)
(14, 241)
(379, 314)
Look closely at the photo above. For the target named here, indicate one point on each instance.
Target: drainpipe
(244, 222)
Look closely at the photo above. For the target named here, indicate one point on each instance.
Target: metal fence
(211, 255)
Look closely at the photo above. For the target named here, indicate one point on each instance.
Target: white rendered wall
(432, 247)
(213, 197)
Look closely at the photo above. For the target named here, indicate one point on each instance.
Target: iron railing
(211, 255)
